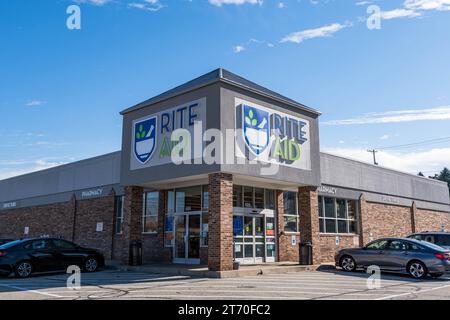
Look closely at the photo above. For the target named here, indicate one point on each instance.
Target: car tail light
(2, 253)
(443, 256)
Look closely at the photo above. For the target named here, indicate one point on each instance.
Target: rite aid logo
(145, 134)
(256, 131)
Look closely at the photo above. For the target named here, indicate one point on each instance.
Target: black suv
(441, 239)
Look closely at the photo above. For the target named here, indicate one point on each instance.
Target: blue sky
(61, 90)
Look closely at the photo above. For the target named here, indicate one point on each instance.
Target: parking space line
(31, 291)
(413, 292)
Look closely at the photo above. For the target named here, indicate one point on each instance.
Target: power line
(425, 142)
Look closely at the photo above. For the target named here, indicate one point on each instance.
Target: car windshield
(11, 244)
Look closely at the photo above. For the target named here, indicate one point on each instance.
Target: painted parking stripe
(413, 292)
(31, 291)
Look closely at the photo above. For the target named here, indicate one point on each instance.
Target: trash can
(135, 253)
(306, 253)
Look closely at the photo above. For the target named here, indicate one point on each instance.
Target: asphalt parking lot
(329, 284)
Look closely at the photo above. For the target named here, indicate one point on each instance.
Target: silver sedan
(415, 257)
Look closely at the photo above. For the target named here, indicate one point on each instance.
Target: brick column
(362, 214)
(132, 223)
(166, 253)
(309, 220)
(413, 217)
(220, 236)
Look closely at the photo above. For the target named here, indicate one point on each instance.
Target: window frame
(145, 215)
(116, 216)
(324, 218)
(296, 215)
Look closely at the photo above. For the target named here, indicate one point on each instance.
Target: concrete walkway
(202, 270)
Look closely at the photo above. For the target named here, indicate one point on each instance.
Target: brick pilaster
(166, 253)
(309, 219)
(132, 224)
(413, 216)
(362, 214)
(220, 237)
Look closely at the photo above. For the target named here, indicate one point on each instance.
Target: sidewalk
(202, 270)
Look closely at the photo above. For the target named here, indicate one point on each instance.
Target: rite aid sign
(151, 135)
(271, 136)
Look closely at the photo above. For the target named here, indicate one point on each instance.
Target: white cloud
(34, 103)
(94, 2)
(147, 5)
(363, 3)
(385, 137)
(325, 31)
(12, 168)
(281, 5)
(430, 161)
(439, 113)
(219, 3)
(440, 5)
(399, 13)
(238, 49)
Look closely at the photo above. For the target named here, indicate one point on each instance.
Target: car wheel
(91, 264)
(417, 270)
(436, 275)
(23, 269)
(348, 264)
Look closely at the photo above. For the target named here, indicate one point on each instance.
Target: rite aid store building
(264, 189)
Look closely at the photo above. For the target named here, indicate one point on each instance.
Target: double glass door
(254, 238)
(187, 239)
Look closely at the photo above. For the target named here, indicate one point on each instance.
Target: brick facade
(309, 219)
(73, 220)
(76, 220)
(220, 237)
(286, 251)
(427, 220)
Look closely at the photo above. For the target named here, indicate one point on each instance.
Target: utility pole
(374, 158)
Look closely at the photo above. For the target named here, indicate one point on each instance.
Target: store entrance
(254, 238)
(187, 239)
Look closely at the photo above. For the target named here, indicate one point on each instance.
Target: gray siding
(345, 173)
(85, 174)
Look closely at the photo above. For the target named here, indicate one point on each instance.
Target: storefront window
(168, 231)
(170, 201)
(204, 231)
(188, 199)
(119, 214)
(270, 199)
(259, 198)
(290, 212)
(237, 196)
(337, 215)
(205, 198)
(150, 215)
(248, 197)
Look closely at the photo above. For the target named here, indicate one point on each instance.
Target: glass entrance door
(252, 242)
(187, 239)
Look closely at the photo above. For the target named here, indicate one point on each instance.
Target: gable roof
(220, 75)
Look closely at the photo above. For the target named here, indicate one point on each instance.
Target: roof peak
(220, 74)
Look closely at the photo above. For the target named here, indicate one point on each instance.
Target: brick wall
(88, 214)
(309, 220)
(286, 251)
(426, 220)
(327, 245)
(383, 220)
(220, 236)
(73, 220)
(53, 220)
